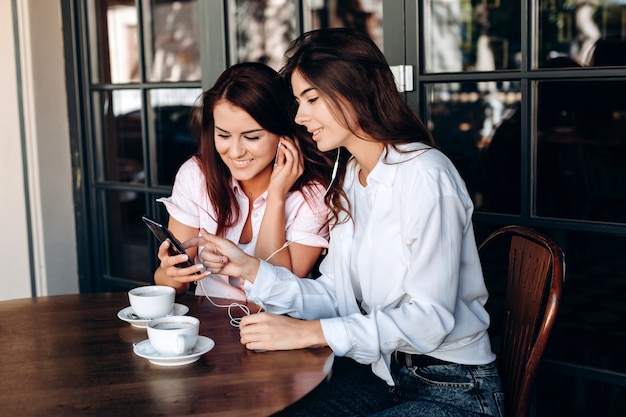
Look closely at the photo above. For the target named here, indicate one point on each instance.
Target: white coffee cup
(152, 301)
(173, 335)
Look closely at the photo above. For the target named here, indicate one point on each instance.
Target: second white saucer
(128, 315)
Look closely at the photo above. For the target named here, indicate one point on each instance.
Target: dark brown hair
(265, 96)
(346, 66)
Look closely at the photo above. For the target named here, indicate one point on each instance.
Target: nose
(237, 148)
(301, 116)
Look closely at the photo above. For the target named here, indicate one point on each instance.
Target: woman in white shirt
(401, 297)
(250, 182)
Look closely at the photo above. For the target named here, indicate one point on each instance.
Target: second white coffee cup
(173, 335)
(152, 301)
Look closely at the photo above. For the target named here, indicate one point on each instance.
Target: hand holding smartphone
(162, 233)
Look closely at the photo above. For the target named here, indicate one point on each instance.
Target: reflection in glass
(128, 252)
(114, 50)
(582, 33)
(471, 35)
(364, 15)
(581, 151)
(261, 30)
(171, 118)
(590, 329)
(477, 125)
(171, 40)
(121, 143)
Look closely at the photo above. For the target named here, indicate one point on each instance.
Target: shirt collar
(385, 170)
(236, 186)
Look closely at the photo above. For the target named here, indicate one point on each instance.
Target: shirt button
(256, 215)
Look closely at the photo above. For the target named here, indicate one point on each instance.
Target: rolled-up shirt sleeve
(187, 193)
(305, 221)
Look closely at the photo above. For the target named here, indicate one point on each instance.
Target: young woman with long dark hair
(253, 181)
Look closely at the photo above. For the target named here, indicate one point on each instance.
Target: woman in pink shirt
(253, 182)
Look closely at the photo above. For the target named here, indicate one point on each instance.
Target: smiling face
(246, 148)
(315, 113)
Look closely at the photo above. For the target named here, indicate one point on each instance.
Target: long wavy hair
(265, 96)
(346, 66)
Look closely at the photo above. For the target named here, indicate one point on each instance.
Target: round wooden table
(70, 355)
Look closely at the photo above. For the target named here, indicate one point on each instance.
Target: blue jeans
(450, 390)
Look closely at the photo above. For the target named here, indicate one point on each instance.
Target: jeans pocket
(443, 376)
(467, 388)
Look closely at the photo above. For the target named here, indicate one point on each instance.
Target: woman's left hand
(267, 331)
(288, 167)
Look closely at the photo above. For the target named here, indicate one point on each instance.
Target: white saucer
(145, 350)
(126, 315)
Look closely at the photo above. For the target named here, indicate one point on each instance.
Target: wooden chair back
(536, 272)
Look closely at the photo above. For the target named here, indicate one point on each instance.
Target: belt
(414, 359)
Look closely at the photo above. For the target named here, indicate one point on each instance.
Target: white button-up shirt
(420, 278)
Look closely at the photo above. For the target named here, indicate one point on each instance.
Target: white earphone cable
(334, 173)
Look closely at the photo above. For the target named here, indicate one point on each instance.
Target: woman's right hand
(288, 168)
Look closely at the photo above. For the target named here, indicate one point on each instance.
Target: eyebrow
(306, 90)
(247, 132)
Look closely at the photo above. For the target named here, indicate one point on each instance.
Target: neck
(257, 185)
(367, 154)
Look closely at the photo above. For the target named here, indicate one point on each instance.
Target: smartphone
(277, 152)
(162, 233)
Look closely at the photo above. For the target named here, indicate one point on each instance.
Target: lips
(315, 133)
(241, 164)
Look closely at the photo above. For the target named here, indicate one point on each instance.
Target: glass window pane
(121, 140)
(171, 118)
(128, 244)
(581, 153)
(365, 15)
(171, 40)
(478, 126)
(261, 31)
(114, 45)
(471, 35)
(575, 33)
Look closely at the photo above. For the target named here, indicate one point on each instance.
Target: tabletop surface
(70, 355)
